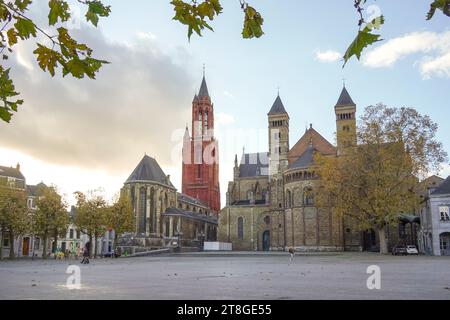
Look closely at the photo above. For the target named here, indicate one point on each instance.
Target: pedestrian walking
(291, 254)
(85, 255)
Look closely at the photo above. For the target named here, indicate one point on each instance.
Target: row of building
(270, 204)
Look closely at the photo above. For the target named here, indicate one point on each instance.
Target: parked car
(399, 249)
(410, 249)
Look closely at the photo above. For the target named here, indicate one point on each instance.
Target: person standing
(291, 254)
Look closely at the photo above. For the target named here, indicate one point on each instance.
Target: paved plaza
(231, 276)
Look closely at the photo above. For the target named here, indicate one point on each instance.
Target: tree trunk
(44, 245)
(11, 245)
(116, 238)
(1, 244)
(95, 250)
(383, 241)
(55, 237)
(90, 246)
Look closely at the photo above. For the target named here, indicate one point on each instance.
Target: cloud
(223, 119)
(132, 107)
(434, 47)
(328, 56)
(439, 66)
(228, 95)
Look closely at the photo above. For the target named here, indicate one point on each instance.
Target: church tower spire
(201, 175)
(345, 110)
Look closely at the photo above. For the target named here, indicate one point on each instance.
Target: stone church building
(271, 200)
(164, 217)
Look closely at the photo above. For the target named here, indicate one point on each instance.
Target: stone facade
(163, 217)
(271, 200)
(435, 221)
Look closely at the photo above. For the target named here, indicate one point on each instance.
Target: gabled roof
(32, 190)
(254, 165)
(320, 144)
(188, 199)
(11, 172)
(444, 187)
(190, 215)
(277, 107)
(345, 99)
(149, 170)
(305, 160)
(203, 89)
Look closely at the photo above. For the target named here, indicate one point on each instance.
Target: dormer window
(444, 213)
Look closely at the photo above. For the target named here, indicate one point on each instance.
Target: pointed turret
(203, 93)
(277, 107)
(344, 99)
(186, 134)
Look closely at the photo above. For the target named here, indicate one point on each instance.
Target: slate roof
(254, 165)
(444, 187)
(305, 160)
(191, 215)
(185, 198)
(32, 190)
(149, 170)
(11, 172)
(277, 107)
(203, 89)
(345, 99)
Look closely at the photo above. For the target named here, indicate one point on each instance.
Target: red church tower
(201, 153)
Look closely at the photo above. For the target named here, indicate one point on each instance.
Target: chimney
(18, 166)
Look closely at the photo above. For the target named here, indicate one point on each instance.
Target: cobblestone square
(222, 276)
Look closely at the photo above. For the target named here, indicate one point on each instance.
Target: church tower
(345, 111)
(278, 125)
(201, 153)
(278, 120)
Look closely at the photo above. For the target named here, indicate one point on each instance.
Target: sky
(90, 134)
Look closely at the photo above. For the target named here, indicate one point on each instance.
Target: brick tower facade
(201, 153)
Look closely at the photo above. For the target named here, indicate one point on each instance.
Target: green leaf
(364, 38)
(59, 9)
(25, 28)
(12, 36)
(22, 4)
(443, 5)
(252, 23)
(47, 58)
(96, 9)
(7, 91)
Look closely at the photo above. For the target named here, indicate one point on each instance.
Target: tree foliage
(377, 179)
(120, 217)
(91, 216)
(14, 216)
(62, 51)
(51, 218)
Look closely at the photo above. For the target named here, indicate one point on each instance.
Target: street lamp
(179, 234)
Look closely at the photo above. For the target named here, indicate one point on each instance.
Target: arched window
(205, 124)
(308, 196)
(240, 229)
(142, 209)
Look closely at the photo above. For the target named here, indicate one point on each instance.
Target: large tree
(91, 217)
(375, 180)
(51, 218)
(14, 216)
(120, 217)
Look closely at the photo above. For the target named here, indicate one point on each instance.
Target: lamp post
(179, 234)
(202, 240)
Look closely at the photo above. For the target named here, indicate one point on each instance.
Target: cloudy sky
(84, 134)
